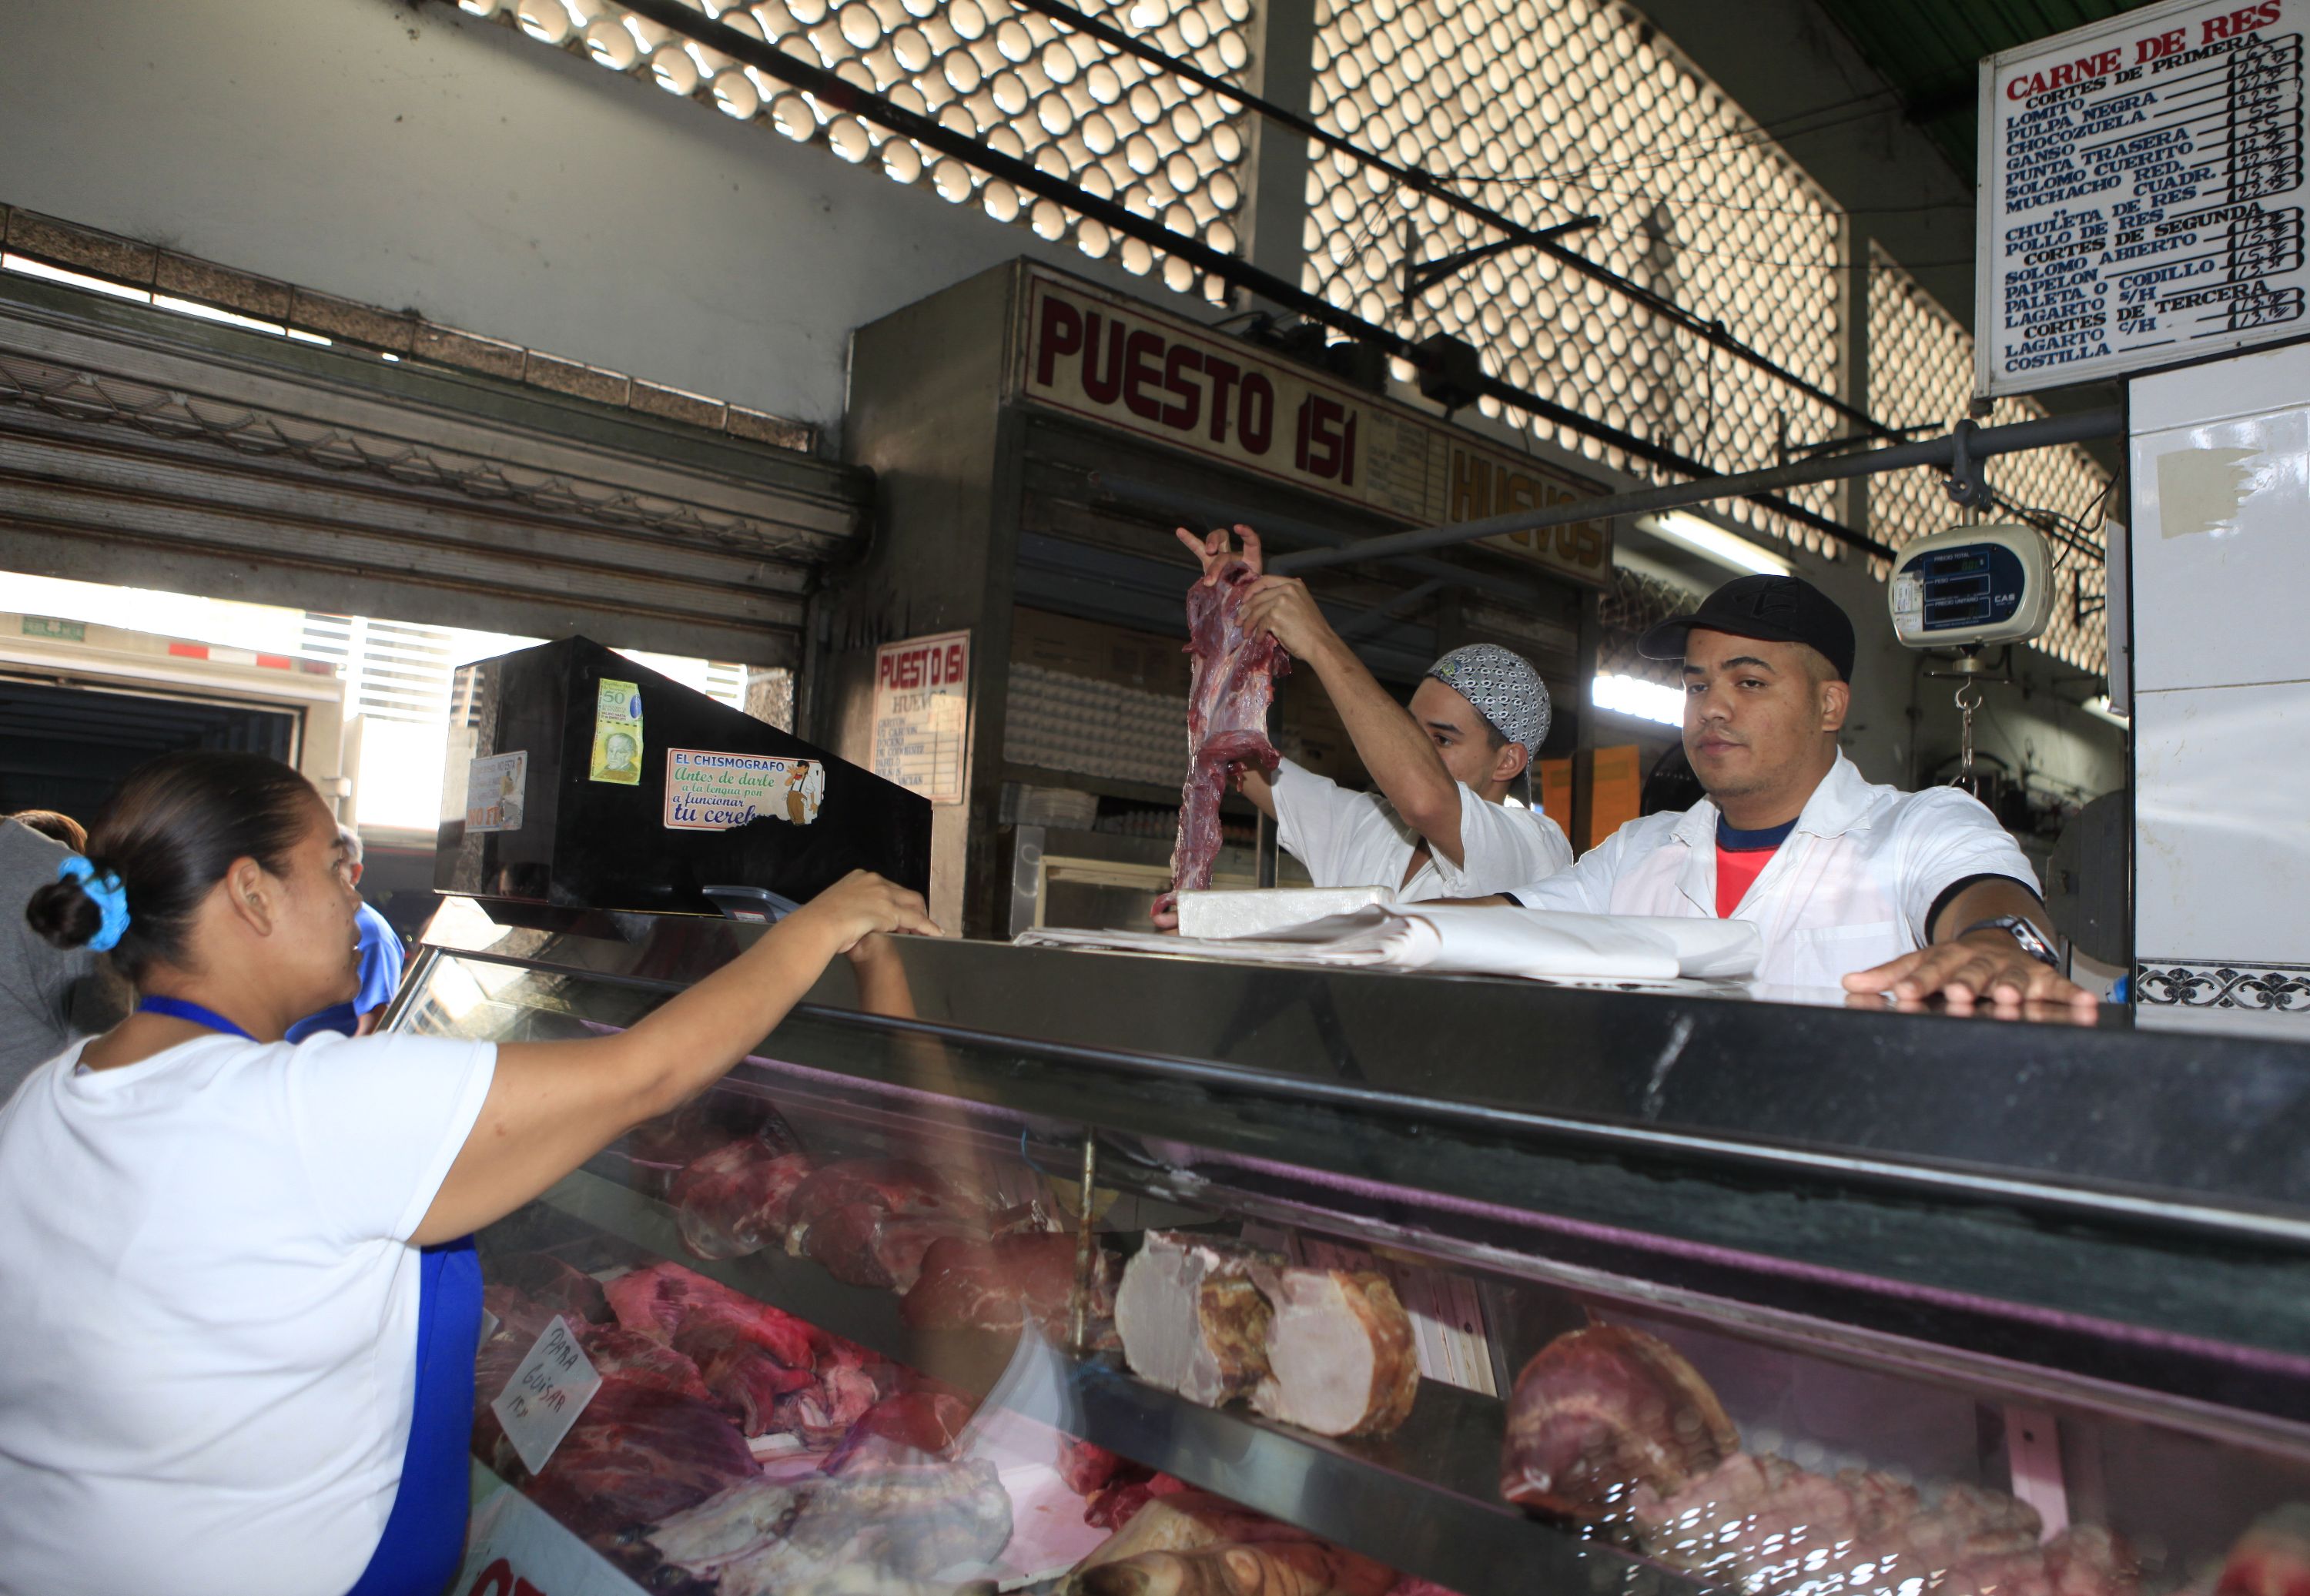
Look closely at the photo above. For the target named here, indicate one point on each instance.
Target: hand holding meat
(861, 903)
(1284, 608)
(1213, 551)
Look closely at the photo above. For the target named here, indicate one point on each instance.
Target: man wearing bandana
(1440, 825)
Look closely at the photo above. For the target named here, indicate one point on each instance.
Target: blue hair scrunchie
(111, 897)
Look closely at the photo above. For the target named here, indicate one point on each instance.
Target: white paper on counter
(1535, 943)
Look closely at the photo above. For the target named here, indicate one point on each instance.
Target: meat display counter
(1387, 1283)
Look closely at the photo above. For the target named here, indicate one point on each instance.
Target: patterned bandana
(1503, 687)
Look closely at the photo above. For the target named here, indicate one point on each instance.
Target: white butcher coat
(1348, 838)
(1853, 887)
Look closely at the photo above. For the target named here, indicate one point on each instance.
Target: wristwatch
(2033, 940)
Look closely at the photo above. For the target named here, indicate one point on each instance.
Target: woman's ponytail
(165, 838)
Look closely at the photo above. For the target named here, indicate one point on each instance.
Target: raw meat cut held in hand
(1191, 1317)
(1005, 1283)
(1339, 1352)
(1601, 1412)
(1227, 715)
(733, 1201)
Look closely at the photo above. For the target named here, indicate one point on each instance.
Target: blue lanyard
(179, 1009)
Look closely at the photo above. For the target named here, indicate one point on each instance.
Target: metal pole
(1086, 1251)
(1942, 451)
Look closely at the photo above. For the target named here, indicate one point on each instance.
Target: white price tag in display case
(546, 1394)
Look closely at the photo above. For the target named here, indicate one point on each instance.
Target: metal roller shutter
(141, 448)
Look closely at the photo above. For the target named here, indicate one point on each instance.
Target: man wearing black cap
(1849, 883)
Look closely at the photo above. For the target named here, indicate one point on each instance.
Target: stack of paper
(1462, 938)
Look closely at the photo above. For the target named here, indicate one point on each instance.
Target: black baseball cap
(1778, 609)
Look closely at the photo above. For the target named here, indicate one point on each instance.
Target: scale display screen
(1979, 585)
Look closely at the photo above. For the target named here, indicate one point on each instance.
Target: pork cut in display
(1762, 1525)
(1339, 1352)
(1602, 1410)
(1234, 682)
(1005, 1284)
(1279, 1568)
(1191, 1317)
(1186, 1520)
(733, 1201)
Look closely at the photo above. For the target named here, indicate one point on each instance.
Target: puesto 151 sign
(2141, 190)
(1167, 379)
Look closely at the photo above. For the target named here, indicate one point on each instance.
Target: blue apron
(424, 1538)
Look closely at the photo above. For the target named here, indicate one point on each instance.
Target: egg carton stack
(1058, 722)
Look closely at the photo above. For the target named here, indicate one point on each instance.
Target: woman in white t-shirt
(240, 1298)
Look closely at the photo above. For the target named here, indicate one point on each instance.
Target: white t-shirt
(1348, 838)
(208, 1309)
(1854, 885)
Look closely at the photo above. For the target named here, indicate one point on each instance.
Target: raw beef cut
(1282, 1568)
(1191, 1318)
(620, 1353)
(825, 1410)
(744, 1377)
(1226, 714)
(658, 1301)
(1339, 1352)
(896, 1184)
(1601, 1410)
(554, 1285)
(659, 1150)
(1119, 1501)
(911, 1427)
(861, 1243)
(1086, 1466)
(634, 1456)
(733, 1201)
(1005, 1283)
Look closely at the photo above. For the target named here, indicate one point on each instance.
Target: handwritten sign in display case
(2141, 193)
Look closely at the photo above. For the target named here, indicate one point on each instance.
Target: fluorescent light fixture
(2098, 707)
(389, 355)
(1634, 696)
(1713, 543)
(302, 336)
(34, 268)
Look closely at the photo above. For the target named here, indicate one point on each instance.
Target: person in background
(380, 966)
(1910, 895)
(241, 1291)
(48, 822)
(47, 995)
(1440, 825)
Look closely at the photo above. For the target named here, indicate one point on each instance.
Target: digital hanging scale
(1972, 586)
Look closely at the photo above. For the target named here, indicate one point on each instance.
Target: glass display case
(1002, 1268)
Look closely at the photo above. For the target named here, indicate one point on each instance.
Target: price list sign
(2141, 193)
(922, 713)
